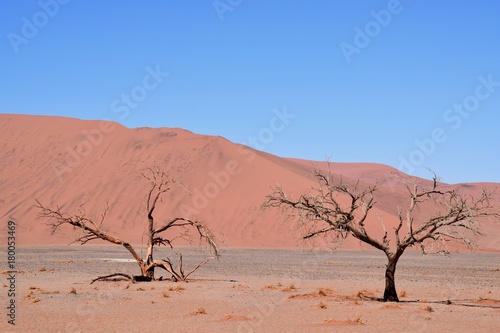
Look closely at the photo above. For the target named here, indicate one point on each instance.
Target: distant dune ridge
(67, 162)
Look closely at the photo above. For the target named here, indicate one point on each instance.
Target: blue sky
(411, 84)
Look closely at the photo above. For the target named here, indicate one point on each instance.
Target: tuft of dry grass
(29, 295)
(42, 269)
(270, 287)
(73, 291)
(403, 293)
(322, 305)
(428, 308)
(141, 289)
(43, 292)
(36, 300)
(199, 311)
(363, 294)
(165, 294)
(324, 291)
(177, 288)
(289, 288)
(320, 292)
(357, 320)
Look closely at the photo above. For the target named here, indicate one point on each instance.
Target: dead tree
(341, 210)
(90, 229)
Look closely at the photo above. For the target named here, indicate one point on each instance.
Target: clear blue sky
(365, 81)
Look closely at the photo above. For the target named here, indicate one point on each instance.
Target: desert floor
(253, 291)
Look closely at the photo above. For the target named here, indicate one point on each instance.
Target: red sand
(291, 291)
(66, 162)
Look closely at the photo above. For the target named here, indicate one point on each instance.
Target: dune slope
(68, 162)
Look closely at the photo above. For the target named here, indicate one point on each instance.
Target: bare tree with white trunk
(339, 209)
(91, 229)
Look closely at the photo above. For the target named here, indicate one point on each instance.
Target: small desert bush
(72, 291)
(165, 294)
(357, 320)
(289, 288)
(428, 308)
(199, 311)
(176, 288)
(403, 293)
(322, 305)
(269, 287)
(29, 295)
(324, 291)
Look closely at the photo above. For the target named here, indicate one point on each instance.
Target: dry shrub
(322, 305)
(428, 308)
(165, 294)
(29, 295)
(289, 288)
(42, 269)
(141, 289)
(391, 307)
(365, 294)
(177, 288)
(43, 292)
(199, 311)
(320, 292)
(270, 287)
(243, 287)
(72, 291)
(324, 291)
(234, 318)
(333, 322)
(357, 320)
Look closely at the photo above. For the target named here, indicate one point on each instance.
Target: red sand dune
(67, 162)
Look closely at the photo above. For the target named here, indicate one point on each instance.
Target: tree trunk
(150, 273)
(390, 294)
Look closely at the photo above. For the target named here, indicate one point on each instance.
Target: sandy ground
(253, 291)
